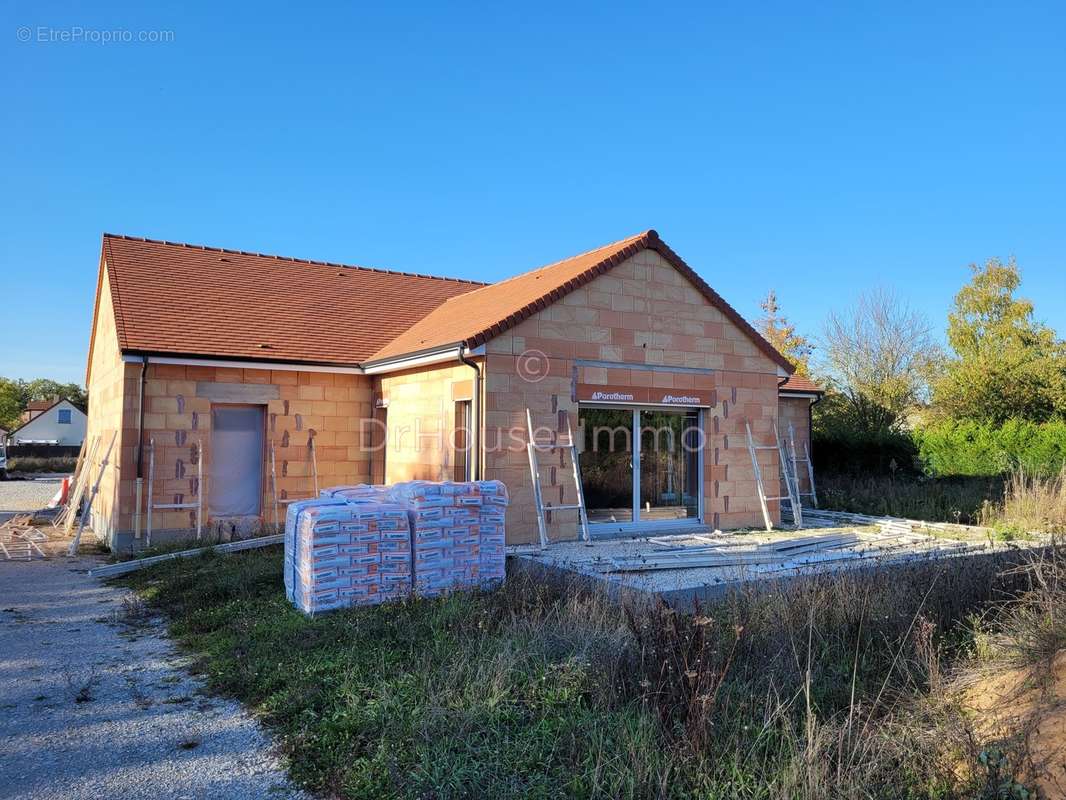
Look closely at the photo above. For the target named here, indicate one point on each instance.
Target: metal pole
(274, 483)
(758, 479)
(151, 477)
(199, 486)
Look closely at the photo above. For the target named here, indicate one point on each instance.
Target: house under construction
(225, 384)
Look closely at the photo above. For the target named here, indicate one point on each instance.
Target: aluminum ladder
(787, 474)
(796, 461)
(570, 446)
(198, 505)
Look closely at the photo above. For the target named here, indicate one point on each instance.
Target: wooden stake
(78, 490)
(73, 550)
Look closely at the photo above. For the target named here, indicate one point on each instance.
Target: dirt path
(95, 701)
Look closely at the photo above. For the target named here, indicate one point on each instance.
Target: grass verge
(820, 688)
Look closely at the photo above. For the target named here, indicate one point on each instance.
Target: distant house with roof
(235, 383)
(50, 422)
(35, 407)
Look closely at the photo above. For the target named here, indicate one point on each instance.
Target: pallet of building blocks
(359, 491)
(292, 518)
(345, 553)
(457, 533)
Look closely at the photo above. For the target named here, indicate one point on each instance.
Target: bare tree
(879, 355)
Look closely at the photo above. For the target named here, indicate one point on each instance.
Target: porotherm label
(642, 395)
(681, 400)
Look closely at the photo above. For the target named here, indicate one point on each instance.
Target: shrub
(974, 448)
(954, 499)
(35, 464)
(843, 452)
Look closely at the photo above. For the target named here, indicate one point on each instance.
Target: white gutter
(420, 360)
(376, 368)
(222, 362)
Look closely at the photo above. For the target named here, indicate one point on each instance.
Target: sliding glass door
(641, 467)
(607, 463)
(669, 465)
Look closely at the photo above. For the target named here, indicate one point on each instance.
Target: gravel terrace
(28, 495)
(95, 701)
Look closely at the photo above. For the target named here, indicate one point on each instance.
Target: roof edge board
(135, 357)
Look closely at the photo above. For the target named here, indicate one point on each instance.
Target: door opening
(237, 434)
(461, 441)
(641, 466)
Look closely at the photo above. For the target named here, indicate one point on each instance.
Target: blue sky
(820, 150)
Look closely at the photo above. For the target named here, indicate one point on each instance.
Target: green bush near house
(946, 472)
(975, 448)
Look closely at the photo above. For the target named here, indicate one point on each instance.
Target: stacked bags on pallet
(362, 545)
(457, 533)
(340, 553)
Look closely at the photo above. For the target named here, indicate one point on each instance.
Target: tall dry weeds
(1031, 504)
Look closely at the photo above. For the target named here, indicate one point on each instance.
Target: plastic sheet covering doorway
(236, 480)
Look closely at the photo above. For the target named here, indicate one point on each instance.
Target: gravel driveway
(27, 495)
(95, 701)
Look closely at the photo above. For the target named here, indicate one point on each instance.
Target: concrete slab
(613, 565)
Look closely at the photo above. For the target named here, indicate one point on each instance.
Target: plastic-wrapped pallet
(457, 533)
(342, 553)
(360, 491)
(292, 518)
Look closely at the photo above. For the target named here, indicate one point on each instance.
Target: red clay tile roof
(798, 383)
(40, 405)
(475, 317)
(193, 300)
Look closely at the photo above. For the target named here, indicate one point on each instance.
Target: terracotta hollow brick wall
(178, 401)
(643, 312)
(421, 420)
(107, 404)
(796, 411)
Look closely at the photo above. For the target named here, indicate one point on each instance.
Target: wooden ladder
(532, 446)
(76, 541)
(787, 474)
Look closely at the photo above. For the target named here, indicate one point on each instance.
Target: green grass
(533, 690)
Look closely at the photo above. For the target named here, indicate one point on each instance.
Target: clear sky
(820, 149)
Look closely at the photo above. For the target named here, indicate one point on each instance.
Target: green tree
(1006, 365)
(778, 331)
(16, 393)
(43, 389)
(11, 403)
